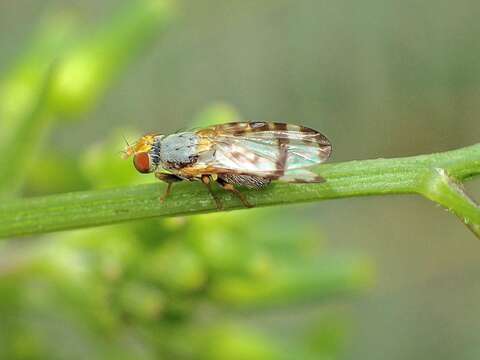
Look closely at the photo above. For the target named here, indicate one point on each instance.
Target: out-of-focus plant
(63, 73)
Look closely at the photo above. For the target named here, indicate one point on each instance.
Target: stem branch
(435, 176)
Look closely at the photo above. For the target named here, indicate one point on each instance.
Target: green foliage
(88, 68)
(63, 73)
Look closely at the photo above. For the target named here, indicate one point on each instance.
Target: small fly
(249, 154)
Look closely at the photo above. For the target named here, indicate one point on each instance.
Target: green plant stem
(435, 176)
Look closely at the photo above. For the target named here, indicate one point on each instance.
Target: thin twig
(425, 175)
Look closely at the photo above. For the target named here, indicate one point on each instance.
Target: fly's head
(145, 153)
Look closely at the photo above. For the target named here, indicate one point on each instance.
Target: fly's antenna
(127, 152)
(126, 141)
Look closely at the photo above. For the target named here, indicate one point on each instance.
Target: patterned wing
(273, 150)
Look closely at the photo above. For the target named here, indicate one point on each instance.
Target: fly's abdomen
(249, 181)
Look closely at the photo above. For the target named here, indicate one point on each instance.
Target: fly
(249, 154)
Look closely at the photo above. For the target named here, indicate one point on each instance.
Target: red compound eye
(142, 162)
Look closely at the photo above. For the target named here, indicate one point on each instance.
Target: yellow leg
(207, 181)
(167, 192)
(169, 179)
(231, 188)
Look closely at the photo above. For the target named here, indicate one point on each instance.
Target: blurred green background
(363, 278)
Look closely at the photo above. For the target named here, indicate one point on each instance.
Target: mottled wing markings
(273, 150)
(282, 150)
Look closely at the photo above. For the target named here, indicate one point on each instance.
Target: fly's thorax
(178, 150)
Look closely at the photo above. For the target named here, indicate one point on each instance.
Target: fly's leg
(169, 179)
(229, 187)
(207, 180)
(167, 193)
